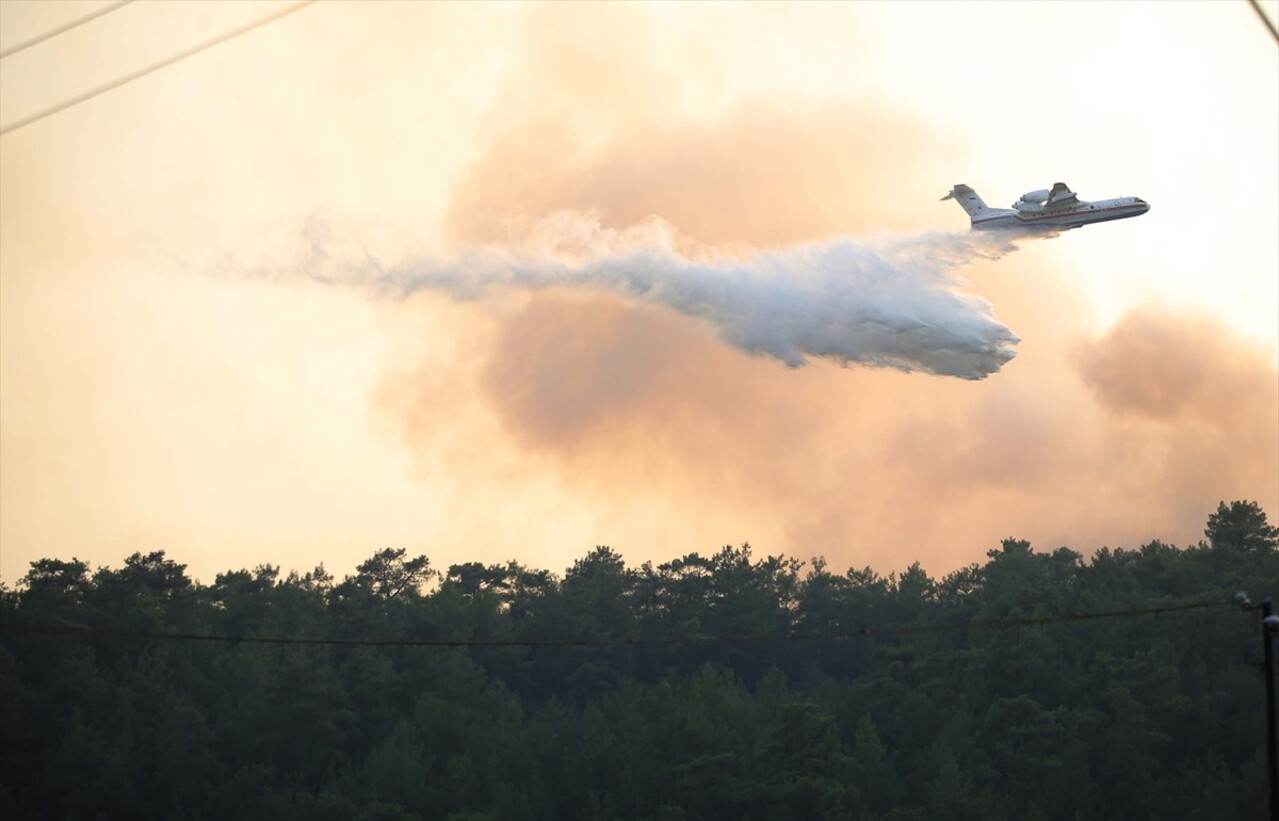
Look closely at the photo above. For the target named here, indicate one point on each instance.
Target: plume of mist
(892, 302)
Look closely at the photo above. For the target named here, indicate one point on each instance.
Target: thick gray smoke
(891, 304)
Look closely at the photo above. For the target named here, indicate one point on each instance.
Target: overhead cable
(862, 632)
(35, 41)
(1270, 24)
(168, 61)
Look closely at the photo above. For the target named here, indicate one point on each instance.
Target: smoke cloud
(140, 405)
(1173, 366)
(891, 304)
(582, 415)
(1189, 401)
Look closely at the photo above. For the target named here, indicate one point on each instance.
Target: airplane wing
(1060, 194)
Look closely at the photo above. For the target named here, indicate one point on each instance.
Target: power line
(1274, 32)
(35, 41)
(208, 44)
(863, 632)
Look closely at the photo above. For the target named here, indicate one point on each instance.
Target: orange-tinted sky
(174, 376)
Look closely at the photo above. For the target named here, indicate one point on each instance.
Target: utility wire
(35, 41)
(863, 632)
(208, 44)
(1274, 32)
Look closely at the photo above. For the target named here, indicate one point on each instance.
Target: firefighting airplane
(1057, 209)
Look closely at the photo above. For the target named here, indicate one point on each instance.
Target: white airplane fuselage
(1082, 213)
(1057, 210)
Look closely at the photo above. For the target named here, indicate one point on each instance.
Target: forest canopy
(944, 700)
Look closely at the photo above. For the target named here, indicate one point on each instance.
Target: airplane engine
(1039, 196)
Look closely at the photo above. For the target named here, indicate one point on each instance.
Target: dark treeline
(1150, 717)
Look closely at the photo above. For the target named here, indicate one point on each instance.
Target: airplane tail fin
(967, 199)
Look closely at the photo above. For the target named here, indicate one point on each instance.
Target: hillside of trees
(1155, 716)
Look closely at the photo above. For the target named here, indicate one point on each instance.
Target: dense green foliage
(1152, 717)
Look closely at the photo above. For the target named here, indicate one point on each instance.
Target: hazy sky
(189, 363)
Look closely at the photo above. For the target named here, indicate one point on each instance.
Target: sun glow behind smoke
(890, 303)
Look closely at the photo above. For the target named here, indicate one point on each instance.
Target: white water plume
(890, 303)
